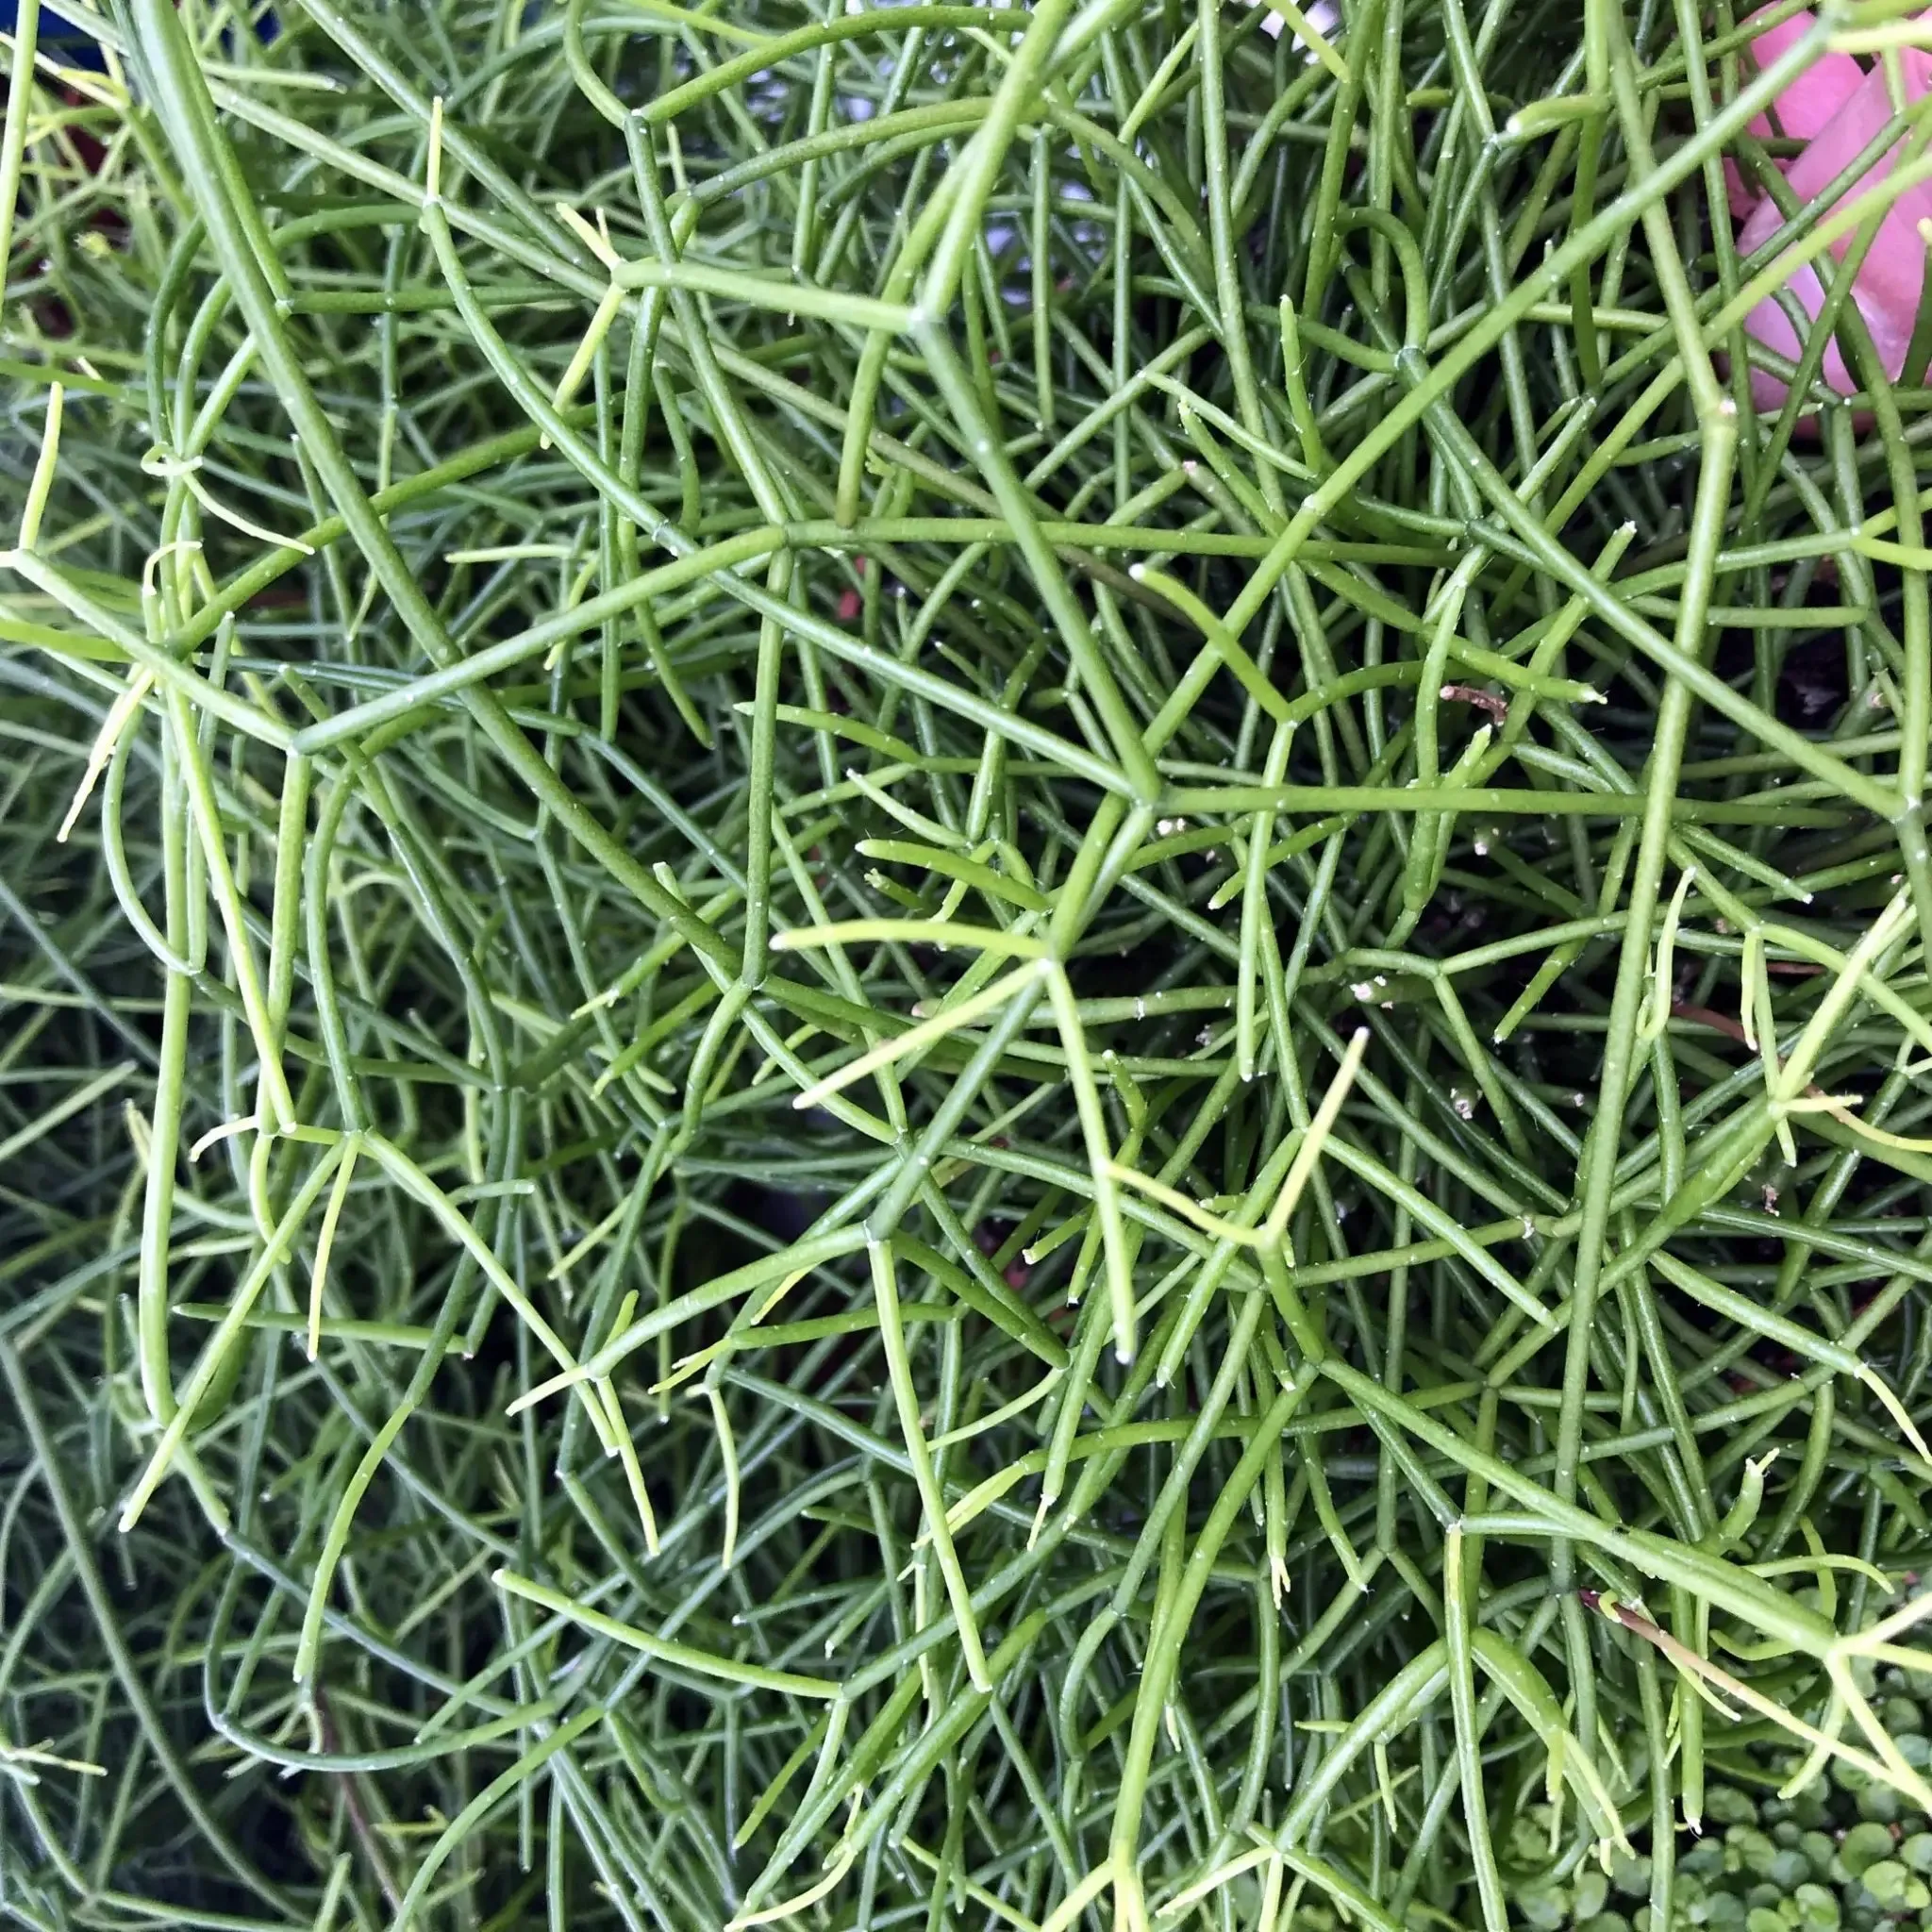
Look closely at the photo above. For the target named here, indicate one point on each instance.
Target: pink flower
(1804, 108)
(1889, 281)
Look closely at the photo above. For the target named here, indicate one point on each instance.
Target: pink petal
(1809, 101)
(1805, 107)
(1893, 272)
